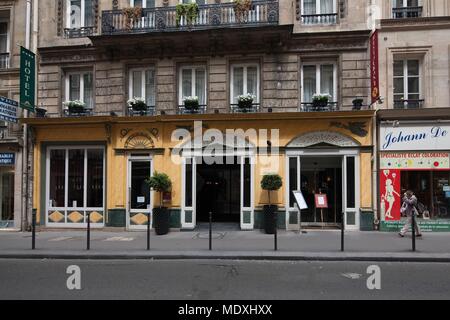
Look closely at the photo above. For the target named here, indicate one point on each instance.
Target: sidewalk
(312, 245)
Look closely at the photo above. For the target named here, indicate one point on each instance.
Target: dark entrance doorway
(218, 191)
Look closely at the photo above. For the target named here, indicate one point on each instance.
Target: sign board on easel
(321, 201)
(300, 204)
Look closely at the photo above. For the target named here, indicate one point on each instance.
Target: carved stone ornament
(115, 4)
(319, 137)
(139, 140)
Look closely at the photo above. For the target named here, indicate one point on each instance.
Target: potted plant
(137, 104)
(191, 103)
(75, 106)
(320, 100)
(40, 112)
(357, 103)
(241, 9)
(270, 182)
(245, 101)
(160, 182)
(131, 14)
(187, 10)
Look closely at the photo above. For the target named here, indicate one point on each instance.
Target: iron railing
(4, 60)
(409, 104)
(200, 110)
(262, 12)
(149, 111)
(407, 12)
(79, 32)
(326, 18)
(312, 107)
(235, 108)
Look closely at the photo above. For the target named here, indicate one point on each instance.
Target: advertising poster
(390, 194)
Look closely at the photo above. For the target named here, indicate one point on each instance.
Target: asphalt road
(221, 279)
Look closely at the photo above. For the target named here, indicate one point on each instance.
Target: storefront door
(6, 196)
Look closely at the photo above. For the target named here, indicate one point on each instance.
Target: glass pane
(247, 183)
(399, 86)
(413, 67)
(293, 186)
(95, 178)
(186, 83)
(309, 7)
(350, 182)
(75, 13)
(309, 83)
(76, 178)
(412, 3)
(88, 90)
(441, 186)
(326, 6)
(138, 3)
(6, 195)
(200, 85)
(88, 13)
(188, 184)
(413, 96)
(57, 177)
(3, 28)
(150, 4)
(3, 43)
(398, 3)
(150, 87)
(398, 68)
(413, 85)
(326, 80)
(74, 87)
(140, 191)
(238, 82)
(252, 81)
(136, 84)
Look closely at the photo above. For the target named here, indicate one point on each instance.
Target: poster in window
(321, 201)
(390, 194)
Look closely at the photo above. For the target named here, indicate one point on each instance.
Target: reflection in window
(57, 177)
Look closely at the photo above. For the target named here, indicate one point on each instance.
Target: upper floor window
(192, 82)
(406, 9)
(142, 84)
(407, 80)
(142, 3)
(4, 40)
(80, 86)
(199, 2)
(80, 14)
(319, 11)
(319, 78)
(244, 79)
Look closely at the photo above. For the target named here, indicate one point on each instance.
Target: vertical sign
(27, 79)
(390, 194)
(374, 72)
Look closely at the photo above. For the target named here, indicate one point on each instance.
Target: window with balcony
(407, 78)
(80, 18)
(142, 3)
(4, 40)
(79, 86)
(406, 9)
(319, 79)
(192, 83)
(244, 80)
(319, 12)
(142, 85)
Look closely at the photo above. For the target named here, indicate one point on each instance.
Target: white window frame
(143, 82)
(82, 13)
(81, 74)
(193, 81)
(181, 1)
(144, 3)
(319, 9)
(8, 35)
(318, 78)
(405, 77)
(245, 89)
(405, 4)
(66, 206)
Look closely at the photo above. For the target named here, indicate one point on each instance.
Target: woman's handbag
(403, 209)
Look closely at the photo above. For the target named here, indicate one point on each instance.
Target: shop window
(247, 183)
(80, 86)
(319, 79)
(407, 83)
(244, 79)
(6, 196)
(192, 82)
(293, 183)
(142, 85)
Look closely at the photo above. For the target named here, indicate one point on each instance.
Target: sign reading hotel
(417, 137)
(27, 79)
(374, 73)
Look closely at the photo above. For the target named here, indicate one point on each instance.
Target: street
(221, 279)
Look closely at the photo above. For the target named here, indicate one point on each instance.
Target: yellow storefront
(98, 165)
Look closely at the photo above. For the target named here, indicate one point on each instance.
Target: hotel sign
(374, 71)
(27, 79)
(434, 136)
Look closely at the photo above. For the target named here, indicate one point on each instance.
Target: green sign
(438, 225)
(27, 79)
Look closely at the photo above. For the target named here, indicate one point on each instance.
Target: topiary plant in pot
(160, 182)
(270, 182)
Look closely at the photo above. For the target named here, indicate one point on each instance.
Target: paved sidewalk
(312, 245)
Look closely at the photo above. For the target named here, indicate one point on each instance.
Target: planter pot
(270, 218)
(245, 104)
(191, 105)
(139, 107)
(320, 104)
(40, 113)
(161, 220)
(357, 105)
(76, 109)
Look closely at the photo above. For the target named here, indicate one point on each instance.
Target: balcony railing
(78, 113)
(4, 60)
(200, 110)
(409, 104)
(237, 109)
(79, 32)
(407, 12)
(149, 111)
(326, 18)
(262, 12)
(312, 107)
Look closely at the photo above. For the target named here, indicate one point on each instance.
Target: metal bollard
(33, 230)
(88, 242)
(413, 230)
(210, 231)
(275, 235)
(342, 231)
(148, 231)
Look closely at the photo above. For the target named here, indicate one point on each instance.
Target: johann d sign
(427, 136)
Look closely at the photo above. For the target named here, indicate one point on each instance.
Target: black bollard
(33, 230)
(342, 231)
(210, 231)
(275, 235)
(88, 242)
(148, 231)
(413, 230)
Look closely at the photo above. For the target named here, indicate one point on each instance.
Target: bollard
(88, 243)
(148, 231)
(275, 234)
(342, 232)
(210, 231)
(33, 230)
(413, 230)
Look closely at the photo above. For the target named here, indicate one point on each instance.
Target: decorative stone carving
(160, 20)
(139, 140)
(272, 11)
(318, 137)
(124, 132)
(60, 17)
(108, 128)
(115, 4)
(165, 3)
(342, 8)
(358, 128)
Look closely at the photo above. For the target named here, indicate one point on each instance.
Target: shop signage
(415, 160)
(8, 110)
(300, 199)
(27, 78)
(7, 158)
(390, 199)
(418, 137)
(321, 201)
(440, 225)
(374, 73)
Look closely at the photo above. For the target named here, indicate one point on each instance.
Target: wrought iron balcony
(78, 112)
(313, 107)
(409, 104)
(407, 12)
(79, 32)
(326, 18)
(149, 111)
(235, 108)
(4, 60)
(200, 110)
(223, 15)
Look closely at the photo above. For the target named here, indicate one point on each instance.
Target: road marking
(351, 275)
(118, 239)
(60, 239)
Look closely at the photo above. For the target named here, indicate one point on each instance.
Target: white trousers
(405, 228)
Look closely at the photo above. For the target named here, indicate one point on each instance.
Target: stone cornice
(414, 24)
